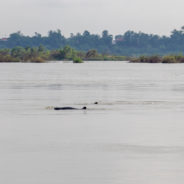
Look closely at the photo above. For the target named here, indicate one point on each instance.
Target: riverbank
(41, 55)
(158, 59)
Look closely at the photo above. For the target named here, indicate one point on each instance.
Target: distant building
(118, 38)
(4, 39)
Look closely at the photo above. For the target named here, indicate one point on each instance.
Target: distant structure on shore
(4, 39)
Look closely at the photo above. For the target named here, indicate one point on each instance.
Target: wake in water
(119, 105)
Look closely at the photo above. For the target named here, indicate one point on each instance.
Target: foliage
(67, 53)
(147, 59)
(37, 60)
(77, 60)
(158, 59)
(40, 54)
(91, 54)
(20, 54)
(128, 44)
(169, 59)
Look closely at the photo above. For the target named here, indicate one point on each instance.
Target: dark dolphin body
(68, 108)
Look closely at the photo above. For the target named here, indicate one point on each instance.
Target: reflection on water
(133, 135)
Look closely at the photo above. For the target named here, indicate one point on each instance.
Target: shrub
(77, 60)
(155, 59)
(37, 60)
(169, 59)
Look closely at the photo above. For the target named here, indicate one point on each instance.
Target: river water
(135, 135)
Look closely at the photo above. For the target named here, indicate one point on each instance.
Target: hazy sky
(72, 16)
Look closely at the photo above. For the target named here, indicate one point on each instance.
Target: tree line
(128, 44)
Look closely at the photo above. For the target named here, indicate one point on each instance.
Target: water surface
(134, 135)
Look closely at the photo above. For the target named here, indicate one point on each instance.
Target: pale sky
(72, 16)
